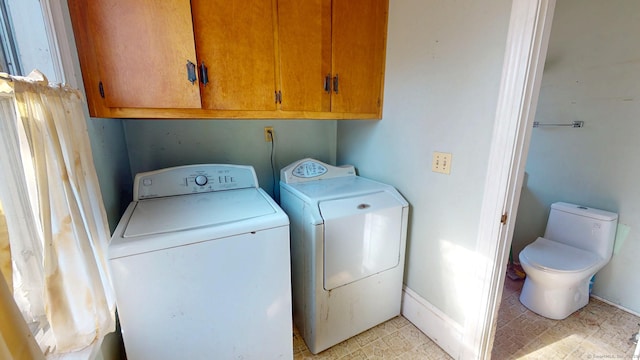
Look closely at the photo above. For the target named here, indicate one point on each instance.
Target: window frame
(9, 59)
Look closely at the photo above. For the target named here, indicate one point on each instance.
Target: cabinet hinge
(503, 218)
(101, 89)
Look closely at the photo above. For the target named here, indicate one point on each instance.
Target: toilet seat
(548, 255)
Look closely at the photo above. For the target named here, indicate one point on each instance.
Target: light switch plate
(441, 163)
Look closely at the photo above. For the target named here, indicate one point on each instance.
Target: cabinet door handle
(191, 72)
(335, 83)
(327, 84)
(204, 74)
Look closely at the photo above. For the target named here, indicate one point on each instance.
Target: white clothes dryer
(348, 238)
(200, 266)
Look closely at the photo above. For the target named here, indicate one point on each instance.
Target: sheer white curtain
(55, 216)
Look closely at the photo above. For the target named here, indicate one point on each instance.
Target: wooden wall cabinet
(311, 59)
(235, 42)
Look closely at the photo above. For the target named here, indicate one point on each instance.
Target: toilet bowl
(577, 243)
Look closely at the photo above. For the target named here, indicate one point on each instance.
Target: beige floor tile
(367, 337)
(397, 343)
(298, 343)
(349, 346)
(414, 336)
(429, 350)
(383, 329)
(356, 355)
(379, 350)
(597, 331)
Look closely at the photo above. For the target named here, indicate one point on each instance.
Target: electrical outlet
(441, 163)
(268, 133)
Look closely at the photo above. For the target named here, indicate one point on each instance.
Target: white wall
(443, 70)
(592, 74)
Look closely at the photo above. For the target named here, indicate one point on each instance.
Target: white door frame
(525, 54)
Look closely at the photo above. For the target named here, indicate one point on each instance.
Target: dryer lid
(183, 212)
(551, 255)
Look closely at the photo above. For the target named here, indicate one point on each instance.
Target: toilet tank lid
(585, 211)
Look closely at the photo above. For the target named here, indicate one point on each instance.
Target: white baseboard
(443, 330)
(432, 322)
(615, 305)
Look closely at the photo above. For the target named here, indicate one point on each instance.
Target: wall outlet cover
(441, 163)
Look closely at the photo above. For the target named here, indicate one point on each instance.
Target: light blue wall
(443, 71)
(592, 74)
(112, 166)
(155, 144)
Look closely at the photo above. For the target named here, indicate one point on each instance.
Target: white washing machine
(201, 268)
(348, 237)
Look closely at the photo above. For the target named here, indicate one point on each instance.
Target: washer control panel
(192, 179)
(311, 170)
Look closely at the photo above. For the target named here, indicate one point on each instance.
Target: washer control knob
(201, 180)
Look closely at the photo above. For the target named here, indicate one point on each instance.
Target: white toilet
(577, 243)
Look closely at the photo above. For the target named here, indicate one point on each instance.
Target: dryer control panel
(191, 179)
(311, 170)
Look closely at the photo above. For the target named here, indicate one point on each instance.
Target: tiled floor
(598, 331)
(394, 339)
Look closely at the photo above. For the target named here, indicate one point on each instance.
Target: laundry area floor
(394, 339)
(599, 330)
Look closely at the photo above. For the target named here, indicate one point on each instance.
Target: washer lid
(176, 213)
(554, 256)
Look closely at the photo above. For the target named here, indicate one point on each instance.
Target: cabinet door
(141, 49)
(235, 41)
(359, 36)
(304, 36)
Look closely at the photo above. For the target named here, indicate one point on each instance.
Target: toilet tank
(582, 227)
